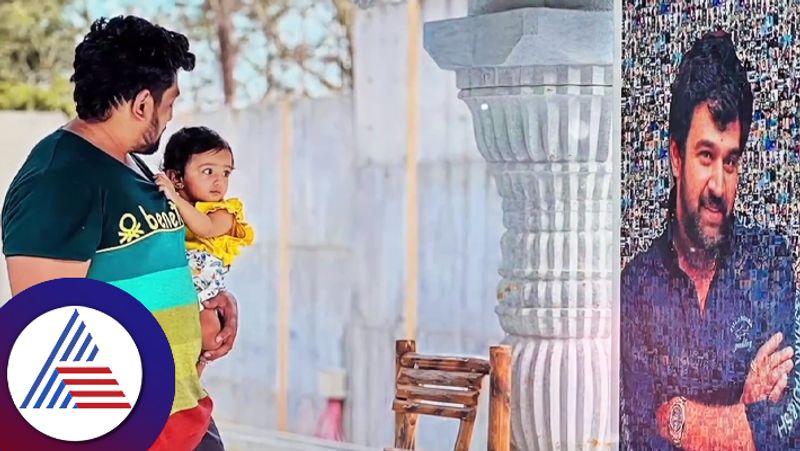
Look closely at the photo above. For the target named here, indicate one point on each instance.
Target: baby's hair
(190, 141)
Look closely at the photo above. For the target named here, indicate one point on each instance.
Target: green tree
(37, 45)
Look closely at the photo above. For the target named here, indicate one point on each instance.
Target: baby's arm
(213, 224)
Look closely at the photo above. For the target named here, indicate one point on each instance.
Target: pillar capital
(364, 4)
(525, 47)
(493, 6)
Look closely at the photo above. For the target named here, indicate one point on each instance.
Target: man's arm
(25, 272)
(774, 425)
(638, 401)
(51, 226)
(709, 427)
(729, 427)
(640, 394)
(765, 416)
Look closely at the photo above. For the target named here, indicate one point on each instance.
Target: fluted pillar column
(538, 81)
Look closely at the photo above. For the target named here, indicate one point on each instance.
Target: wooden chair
(450, 387)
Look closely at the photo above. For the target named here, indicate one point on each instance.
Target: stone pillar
(537, 77)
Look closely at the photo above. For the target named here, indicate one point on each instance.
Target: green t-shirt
(72, 201)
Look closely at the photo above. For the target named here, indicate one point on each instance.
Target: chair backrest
(449, 386)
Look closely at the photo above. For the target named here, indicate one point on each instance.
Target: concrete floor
(241, 438)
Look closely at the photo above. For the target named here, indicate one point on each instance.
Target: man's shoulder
(642, 275)
(643, 263)
(56, 159)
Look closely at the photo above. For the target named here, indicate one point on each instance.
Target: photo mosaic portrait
(709, 318)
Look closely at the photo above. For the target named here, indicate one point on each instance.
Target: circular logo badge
(88, 367)
(101, 385)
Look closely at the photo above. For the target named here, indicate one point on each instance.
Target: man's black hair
(710, 73)
(122, 56)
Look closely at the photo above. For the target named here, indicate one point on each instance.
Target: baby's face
(206, 176)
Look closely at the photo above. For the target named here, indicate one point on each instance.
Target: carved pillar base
(561, 396)
(538, 82)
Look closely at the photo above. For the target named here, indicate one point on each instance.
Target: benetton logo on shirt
(131, 226)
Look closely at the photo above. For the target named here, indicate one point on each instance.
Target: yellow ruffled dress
(211, 258)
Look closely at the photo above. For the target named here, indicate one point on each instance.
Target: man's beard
(709, 246)
(152, 139)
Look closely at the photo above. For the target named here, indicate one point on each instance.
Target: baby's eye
(227, 173)
(207, 171)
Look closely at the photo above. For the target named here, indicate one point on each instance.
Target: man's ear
(143, 106)
(675, 158)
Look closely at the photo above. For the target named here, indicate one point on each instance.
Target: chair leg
(465, 433)
(500, 399)
(405, 424)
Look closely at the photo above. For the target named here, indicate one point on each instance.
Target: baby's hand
(165, 186)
